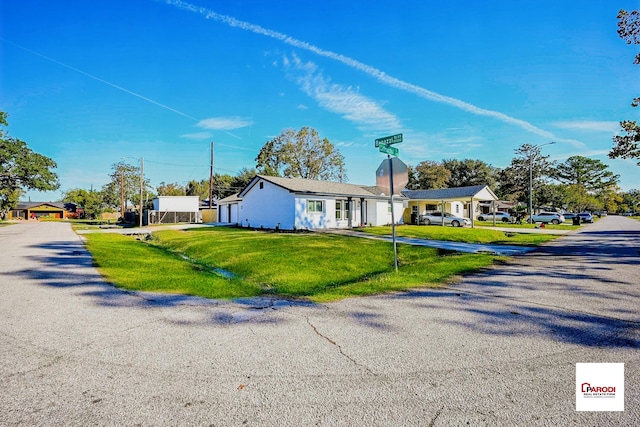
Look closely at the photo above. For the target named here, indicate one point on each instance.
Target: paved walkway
(508, 250)
(496, 349)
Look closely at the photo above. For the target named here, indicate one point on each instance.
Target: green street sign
(388, 150)
(388, 140)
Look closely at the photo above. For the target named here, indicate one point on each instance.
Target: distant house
(173, 209)
(296, 203)
(465, 202)
(37, 210)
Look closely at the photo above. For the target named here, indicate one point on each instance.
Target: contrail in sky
(372, 71)
(84, 73)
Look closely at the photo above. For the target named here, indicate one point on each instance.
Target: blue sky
(92, 83)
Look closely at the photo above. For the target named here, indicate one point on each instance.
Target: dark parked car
(568, 216)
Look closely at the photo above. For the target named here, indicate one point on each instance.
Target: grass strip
(294, 265)
(461, 234)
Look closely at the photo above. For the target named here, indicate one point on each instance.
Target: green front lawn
(318, 267)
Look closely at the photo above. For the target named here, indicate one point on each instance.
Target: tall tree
(431, 175)
(125, 186)
(469, 172)
(301, 154)
(91, 202)
(243, 178)
(21, 168)
(171, 189)
(528, 163)
(627, 145)
(591, 174)
(198, 188)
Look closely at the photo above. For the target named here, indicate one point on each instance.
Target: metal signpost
(385, 169)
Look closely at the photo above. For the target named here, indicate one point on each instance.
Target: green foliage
(591, 174)
(468, 172)
(172, 189)
(91, 202)
(301, 154)
(431, 175)
(271, 264)
(514, 179)
(627, 145)
(21, 168)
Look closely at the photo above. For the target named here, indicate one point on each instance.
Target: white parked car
(435, 218)
(548, 217)
(500, 216)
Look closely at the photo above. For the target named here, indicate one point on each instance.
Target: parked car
(585, 217)
(548, 217)
(568, 216)
(500, 216)
(436, 219)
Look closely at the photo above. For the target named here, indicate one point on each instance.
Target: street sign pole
(393, 219)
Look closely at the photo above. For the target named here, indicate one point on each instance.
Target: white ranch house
(296, 203)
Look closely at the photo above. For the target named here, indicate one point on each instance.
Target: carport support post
(393, 219)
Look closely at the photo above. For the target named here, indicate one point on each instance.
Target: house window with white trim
(315, 206)
(342, 209)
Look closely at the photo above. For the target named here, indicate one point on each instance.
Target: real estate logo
(599, 386)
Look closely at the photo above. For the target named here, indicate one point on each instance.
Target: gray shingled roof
(310, 186)
(444, 193)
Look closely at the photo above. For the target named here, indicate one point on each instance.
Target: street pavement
(498, 348)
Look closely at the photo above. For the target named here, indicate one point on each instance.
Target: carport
(461, 201)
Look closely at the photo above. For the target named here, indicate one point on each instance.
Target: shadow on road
(483, 309)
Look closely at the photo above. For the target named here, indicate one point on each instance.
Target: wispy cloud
(224, 123)
(344, 100)
(371, 71)
(589, 125)
(197, 135)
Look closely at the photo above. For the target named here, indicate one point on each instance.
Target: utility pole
(122, 194)
(211, 179)
(141, 186)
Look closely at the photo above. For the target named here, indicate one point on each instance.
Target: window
(261, 185)
(315, 206)
(342, 209)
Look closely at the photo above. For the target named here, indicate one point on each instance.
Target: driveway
(496, 349)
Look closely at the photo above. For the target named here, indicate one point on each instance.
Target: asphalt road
(497, 349)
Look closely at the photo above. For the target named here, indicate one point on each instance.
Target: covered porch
(465, 202)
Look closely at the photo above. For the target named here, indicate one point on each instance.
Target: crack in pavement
(351, 359)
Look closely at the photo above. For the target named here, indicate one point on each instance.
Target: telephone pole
(211, 179)
(141, 186)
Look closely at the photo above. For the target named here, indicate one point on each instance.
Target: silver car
(500, 216)
(548, 217)
(436, 219)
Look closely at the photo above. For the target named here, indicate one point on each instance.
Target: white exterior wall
(176, 203)
(378, 212)
(267, 207)
(225, 210)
